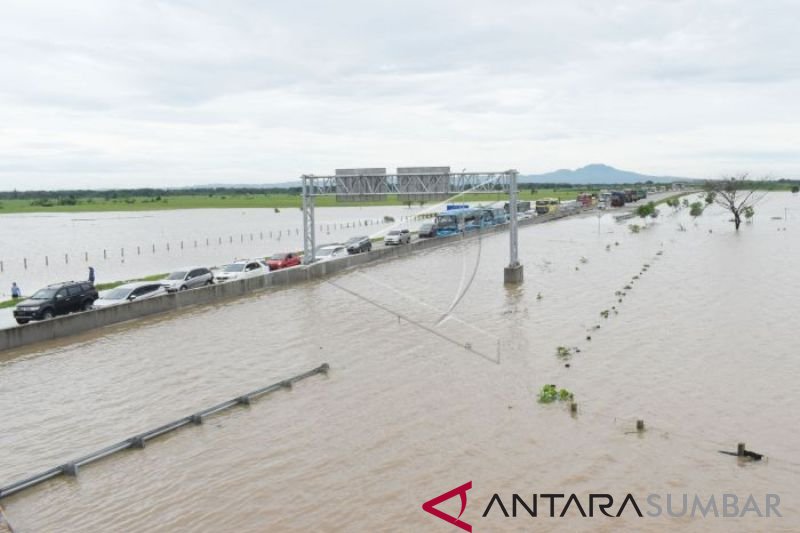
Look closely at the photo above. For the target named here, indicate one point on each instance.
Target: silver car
(397, 236)
(129, 292)
(188, 278)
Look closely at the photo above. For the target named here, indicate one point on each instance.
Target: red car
(278, 261)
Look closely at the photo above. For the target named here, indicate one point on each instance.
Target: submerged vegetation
(551, 393)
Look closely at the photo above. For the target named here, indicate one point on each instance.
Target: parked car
(397, 236)
(278, 261)
(138, 290)
(188, 278)
(241, 270)
(56, 299)
(330, 251)
(356, 245)
(428, 229)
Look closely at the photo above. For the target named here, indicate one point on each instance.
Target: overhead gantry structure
(425, 182)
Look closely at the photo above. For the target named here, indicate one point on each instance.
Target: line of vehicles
(68, 297)
(74, 296)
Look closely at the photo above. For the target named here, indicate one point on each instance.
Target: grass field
(270, 201)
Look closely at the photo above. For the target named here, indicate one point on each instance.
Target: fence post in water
(154, 247)
(181, 245)
(168, 247)
(640, 425)
(86, 256)
(195, 244)
(25, 262)
(138, 250)
(66, 259)
(573, 407)
(46, 261)
(1, 266)
(740, 449)
(122, 252)
(206, 241)
(70, 469)
(105, 254)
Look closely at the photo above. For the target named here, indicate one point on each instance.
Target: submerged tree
(729, 194)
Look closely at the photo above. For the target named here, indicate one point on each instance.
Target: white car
(241, 270)
(330, 251)
(139, 290)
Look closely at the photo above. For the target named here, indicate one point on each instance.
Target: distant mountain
(596, 174)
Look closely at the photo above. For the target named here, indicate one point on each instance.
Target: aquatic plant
(563, 351)
(635, 228)
(604, 313)
(551, 393)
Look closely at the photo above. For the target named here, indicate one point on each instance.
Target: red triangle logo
(430, 506)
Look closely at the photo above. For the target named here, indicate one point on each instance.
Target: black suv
(356, 245)
(57, 299)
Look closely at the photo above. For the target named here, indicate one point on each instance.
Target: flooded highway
(435, 372)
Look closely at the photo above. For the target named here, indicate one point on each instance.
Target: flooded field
(179, 238)
(702, 347)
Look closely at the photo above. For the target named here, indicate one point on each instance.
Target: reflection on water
(701, 348)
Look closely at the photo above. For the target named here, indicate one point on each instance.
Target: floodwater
(702, 348)
(150, 242)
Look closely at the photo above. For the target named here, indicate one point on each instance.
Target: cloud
(111, 93)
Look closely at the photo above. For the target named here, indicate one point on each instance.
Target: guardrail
(138, 441)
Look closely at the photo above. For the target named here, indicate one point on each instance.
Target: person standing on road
(15, 291)
(91, 275)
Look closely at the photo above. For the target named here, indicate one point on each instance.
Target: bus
(455, 221)
(493, 216)
(545, 206)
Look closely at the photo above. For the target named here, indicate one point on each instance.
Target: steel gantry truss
(362, 186)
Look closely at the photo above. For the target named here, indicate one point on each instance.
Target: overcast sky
(109, 93)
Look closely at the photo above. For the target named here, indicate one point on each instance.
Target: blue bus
(467, 219)
(455, 221)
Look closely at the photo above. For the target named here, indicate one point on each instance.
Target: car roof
(135, 285)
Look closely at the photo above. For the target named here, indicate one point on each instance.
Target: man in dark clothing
(91, 275)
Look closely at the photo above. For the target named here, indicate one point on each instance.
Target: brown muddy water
(704, 348)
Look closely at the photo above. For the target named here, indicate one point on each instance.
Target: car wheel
(21, 321)
(183, 287)
(47, 315)
(87, 305)
(210, 282)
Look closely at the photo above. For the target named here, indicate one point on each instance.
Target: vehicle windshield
(177, 275)
(278, 257)
(44, 294)
(355, 240)
(394, 232)
(235, 267)
(446, 221)
(117, 294)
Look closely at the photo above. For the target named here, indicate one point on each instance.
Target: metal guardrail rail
(138, 441)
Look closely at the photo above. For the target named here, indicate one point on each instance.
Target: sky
(106, 93)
